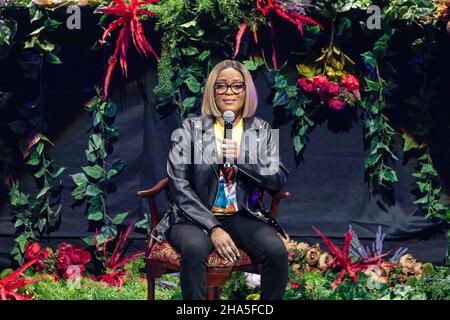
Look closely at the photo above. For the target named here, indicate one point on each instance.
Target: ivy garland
(40, 215)
(378, 132)
(94, 183)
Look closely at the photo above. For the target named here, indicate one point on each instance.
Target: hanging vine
(94, 183)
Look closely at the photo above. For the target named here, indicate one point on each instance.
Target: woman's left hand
(230, 148)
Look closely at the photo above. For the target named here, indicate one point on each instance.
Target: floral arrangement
(60, 262)
(336, 94)
(352, 259)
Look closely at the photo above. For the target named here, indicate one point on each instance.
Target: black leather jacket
(193, 187)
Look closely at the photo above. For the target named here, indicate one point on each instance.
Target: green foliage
(42, 214)
(317, 286)
(378, 132)
(93, 183)
(236, 289)
(134, 288)
(292, 99)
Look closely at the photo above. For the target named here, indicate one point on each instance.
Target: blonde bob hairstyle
(251, 99)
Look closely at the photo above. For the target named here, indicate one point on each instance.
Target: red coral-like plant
(342, 259)
(12, 282)
(271, 6)
(113, 276)
(131, 26)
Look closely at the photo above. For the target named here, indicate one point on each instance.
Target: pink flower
(350, 82)
(334, 89)
(306, 84)
(336, 104)
(320, 84)
(294, 285)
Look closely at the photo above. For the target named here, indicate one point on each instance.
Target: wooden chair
(162, 258)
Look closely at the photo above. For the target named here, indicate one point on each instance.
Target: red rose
(306, 84)
(294, 285)
(63, 248)
(78, 255)
(336, 104)
(320, 83)
(350, 82)
(62, 263)
(334, 89)
(32, 250)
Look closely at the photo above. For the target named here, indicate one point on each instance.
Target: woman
(214, 206)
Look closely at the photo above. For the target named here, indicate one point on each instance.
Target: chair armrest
(153, 191)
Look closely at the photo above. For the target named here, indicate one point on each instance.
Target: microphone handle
(227, 133)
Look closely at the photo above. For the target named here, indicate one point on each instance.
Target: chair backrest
(163, 184)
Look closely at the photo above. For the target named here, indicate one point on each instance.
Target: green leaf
(120, 217)
(33, 162)
(79, 178)
(40, 173)
(193, 84)
(79, 192)
(373, 86)
(52, 24)
(390, 175)
(250, 65)
(281, 98)
(95, 216)
(205, 54)
(305, 70)
(36, 31)
(112, 173)
(110, 231)
(95, 172)
(52, 58)
(422, 200)
(21, 240)
(189, 51)
(43, 192)
(344, 24)
(58, 172)
(298, 145)
(369, 58)
(93, 190)
(280, 82)
(188, 103)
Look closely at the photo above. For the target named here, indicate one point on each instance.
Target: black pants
(259, 240)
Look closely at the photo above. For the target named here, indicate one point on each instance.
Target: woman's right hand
(224, 244)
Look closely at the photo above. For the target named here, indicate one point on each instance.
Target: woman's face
(233, 98)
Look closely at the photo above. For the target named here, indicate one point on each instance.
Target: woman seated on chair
(214, 204)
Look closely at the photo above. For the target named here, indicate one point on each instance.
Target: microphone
(228, 118)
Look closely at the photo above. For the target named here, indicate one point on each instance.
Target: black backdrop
(328, 188)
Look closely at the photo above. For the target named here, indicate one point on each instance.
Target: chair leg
(150, 288)
(213, 293)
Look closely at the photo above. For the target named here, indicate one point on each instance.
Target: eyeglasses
(236, 87)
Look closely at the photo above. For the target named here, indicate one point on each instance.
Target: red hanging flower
(265, 9)
(350, 82)
(336, 104)
(306, 84)
(131, 26)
